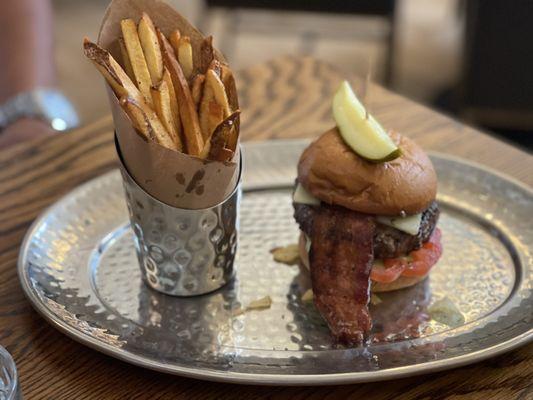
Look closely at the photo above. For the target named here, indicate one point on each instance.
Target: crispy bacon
(341, 257)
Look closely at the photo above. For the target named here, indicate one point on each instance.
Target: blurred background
(469, 58)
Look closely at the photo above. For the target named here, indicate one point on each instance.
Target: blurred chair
(381, 8)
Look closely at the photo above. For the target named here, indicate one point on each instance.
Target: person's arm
(26, 60)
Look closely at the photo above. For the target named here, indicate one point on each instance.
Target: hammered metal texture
(79, 268)
(182, 252)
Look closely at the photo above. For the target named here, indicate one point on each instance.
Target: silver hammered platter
(79, 269)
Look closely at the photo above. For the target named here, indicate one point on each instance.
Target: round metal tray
(78, 268)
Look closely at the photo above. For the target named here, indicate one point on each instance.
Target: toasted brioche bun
(377, 287)
(331, 171)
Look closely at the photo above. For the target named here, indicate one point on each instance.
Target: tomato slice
(382, 273)
(425, 257)
(417, 263)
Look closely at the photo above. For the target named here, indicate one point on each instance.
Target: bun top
(331, 171)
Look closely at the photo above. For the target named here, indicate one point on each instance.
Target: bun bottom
(401, 283)
(377, 287)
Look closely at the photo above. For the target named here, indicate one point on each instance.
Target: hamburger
(365, 203)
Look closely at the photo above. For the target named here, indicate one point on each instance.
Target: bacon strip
(341, 259)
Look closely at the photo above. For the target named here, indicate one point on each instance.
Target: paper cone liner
(174, 178)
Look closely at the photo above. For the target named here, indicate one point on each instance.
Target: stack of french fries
(180, 105)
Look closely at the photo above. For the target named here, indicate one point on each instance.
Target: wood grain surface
(287, 97)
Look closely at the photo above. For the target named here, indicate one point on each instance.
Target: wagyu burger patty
(389, 242)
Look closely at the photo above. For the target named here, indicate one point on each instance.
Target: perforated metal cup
(183, 252)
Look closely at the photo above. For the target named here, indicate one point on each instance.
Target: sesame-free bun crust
(400, 283)
(331, 171)
(376, 287)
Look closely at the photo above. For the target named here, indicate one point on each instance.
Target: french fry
(151, 48)
(206, 54)
(161, 96)
(136, 115)
(215, 66)
(144, 119)
(231, 90)
(217, 149)
(197, 88)
(214, 106)
(233, 136)
(227, 78)
(174, 108)
(174, 39)
(213, 81)
(203, 112)
(126, 59)
(111, 70)
(189, 118)
(224, 154)
(185, 56)
(156, 129)
(138, 62)
(215, 116)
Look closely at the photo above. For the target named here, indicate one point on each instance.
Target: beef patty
(389, 242)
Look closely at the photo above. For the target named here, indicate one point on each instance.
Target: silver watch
(47, 104)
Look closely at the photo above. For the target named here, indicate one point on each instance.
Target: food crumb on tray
(260, 304)
(287, 254)
(446, 312)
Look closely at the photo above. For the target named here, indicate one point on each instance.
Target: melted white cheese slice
(410, 224)
(302, 196)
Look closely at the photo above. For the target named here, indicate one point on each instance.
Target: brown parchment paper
(177, 179)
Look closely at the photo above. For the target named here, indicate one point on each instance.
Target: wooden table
(285, 98)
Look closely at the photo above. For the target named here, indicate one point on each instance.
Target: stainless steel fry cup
(183, 252)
